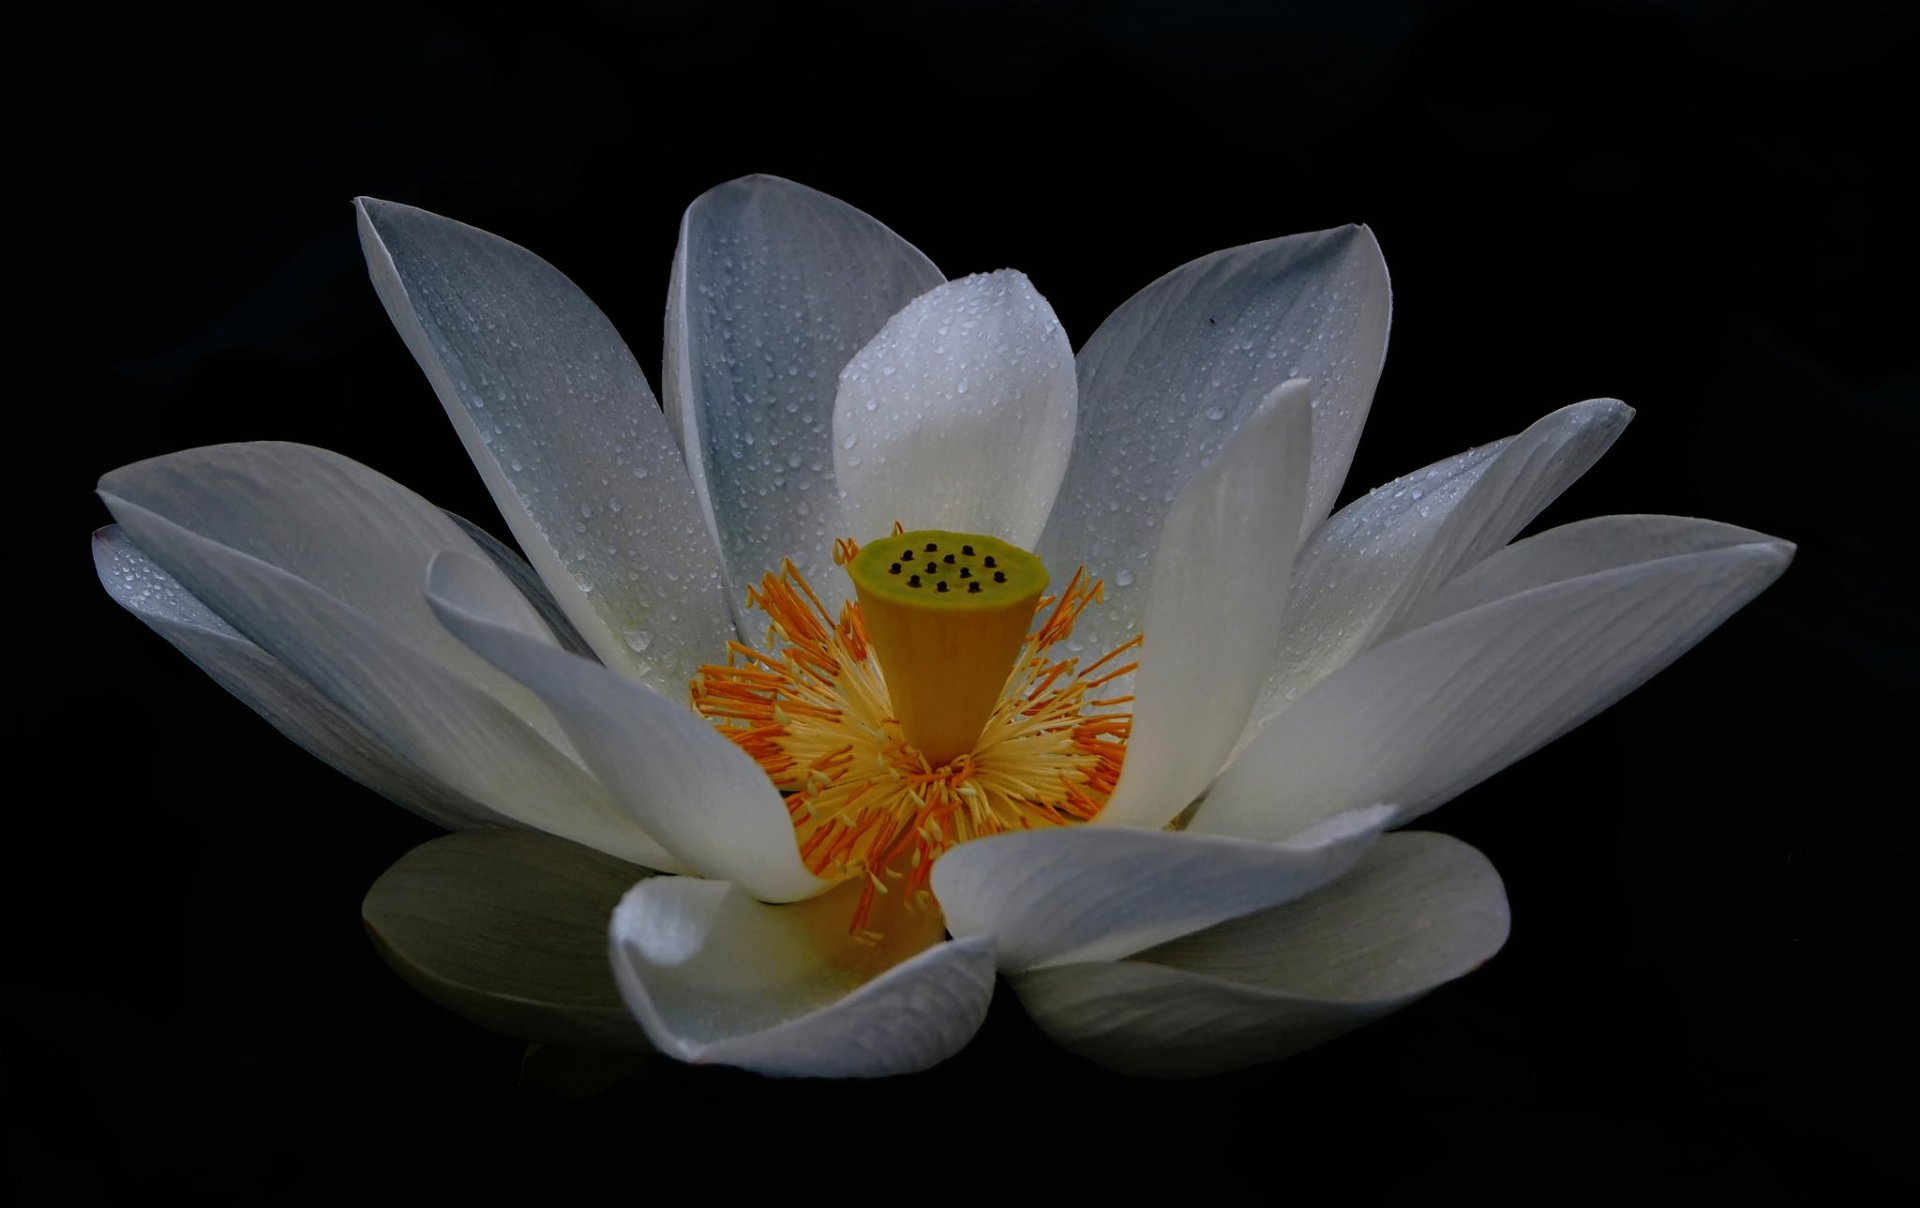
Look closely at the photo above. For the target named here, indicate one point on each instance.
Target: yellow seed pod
(947, 613)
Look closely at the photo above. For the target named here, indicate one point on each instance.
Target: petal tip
(1781, 549)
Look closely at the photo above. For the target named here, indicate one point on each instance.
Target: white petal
(1418, 911)
(1051, 897)
(958, 415)
(562, 427)
(528, 583)
(1383, 553)
(714, 976)
(1172, 374)
(347, 531)
(1214, 610)
(434, 718)
(267, 686)
(775, 287)
(1584, 547)
(705, 800)
(1434, 712)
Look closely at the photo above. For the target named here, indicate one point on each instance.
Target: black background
(1688, 206)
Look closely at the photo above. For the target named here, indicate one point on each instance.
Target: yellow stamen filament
(816, 712)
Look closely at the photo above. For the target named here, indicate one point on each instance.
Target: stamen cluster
(813, 711)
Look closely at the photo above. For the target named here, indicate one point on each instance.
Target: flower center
(929, 713)
(948, 613)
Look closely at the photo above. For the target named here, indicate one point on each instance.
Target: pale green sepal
(508, 929)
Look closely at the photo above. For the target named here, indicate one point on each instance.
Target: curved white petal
(270, 688)
(1383, 553)
(1584, 547)
(714, 976)
(1433, 712)
(1214, 608)
(528, 583)
(1052, 897)
(1419, 910)
(563, 429)
(958, 415)
(775, 287)
(705, 800)
(346, 530)
(1172, 374)
(434, 718)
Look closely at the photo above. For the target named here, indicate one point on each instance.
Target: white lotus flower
(1306, 679)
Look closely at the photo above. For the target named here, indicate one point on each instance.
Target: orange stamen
(813, 709)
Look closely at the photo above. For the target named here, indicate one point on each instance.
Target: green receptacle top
(934, 568)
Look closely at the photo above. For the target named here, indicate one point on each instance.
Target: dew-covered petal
(1214, 614)
(349, 532)
(434, 718)
(270, 688)
(528, 583)
(703, 798)
(1383, 553)
(560, 423)
(1418, 911)
(958, 415)
(1173, 373)
(775, 287)
(715, 976)
(1431, 713)
(1049, 897)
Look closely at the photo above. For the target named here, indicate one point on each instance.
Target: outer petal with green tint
(508, 928)
(1072, 894)
(1419, 910)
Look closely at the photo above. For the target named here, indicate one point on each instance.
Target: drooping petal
(1049, 897)
(1214, 612)
(346, 530)
(775, 287)
(1431, 713)
(958, 415)
(434, 718)
(1383, 553)
(563, 429)
(714, 976)
(266, 685)
(1419, 910)
(705, 800)
(509, 929)
(1170, 376)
